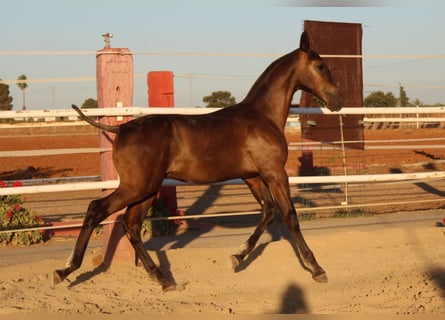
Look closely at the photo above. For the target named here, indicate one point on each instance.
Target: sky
(412, 31)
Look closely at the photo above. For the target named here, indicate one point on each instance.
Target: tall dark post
(335, 38)
(161, 94)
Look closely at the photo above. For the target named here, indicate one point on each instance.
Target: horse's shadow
(293, 301)
(277, 231)
(437, 275)
(210, 196)
(86, 276)
(182, 240)
(423, 185)
(164, 265)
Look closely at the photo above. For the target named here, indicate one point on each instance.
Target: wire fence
(215, 54)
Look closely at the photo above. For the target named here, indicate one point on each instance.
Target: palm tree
(22, 85)
(417, 103)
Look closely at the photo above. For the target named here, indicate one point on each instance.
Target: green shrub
(158, 227)
(353, 212)
(14, 216)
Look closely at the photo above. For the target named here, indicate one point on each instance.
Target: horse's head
(315, 76)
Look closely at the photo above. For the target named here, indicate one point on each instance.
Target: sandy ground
(386, 264)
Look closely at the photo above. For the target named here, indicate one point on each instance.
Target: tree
(403, 98)
(89, 103)
(219, 99)
(379, 99)
(22, 85)
(5, 98)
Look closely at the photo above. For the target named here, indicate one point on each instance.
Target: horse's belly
(211, 170)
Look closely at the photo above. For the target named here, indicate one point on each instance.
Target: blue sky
(271, 27)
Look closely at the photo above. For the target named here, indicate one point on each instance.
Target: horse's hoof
(57, 278)
(169, 287)
(234, 263)
(321, 278)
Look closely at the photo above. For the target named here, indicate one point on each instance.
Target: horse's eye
(320, 67)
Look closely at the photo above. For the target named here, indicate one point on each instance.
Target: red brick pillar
(114, 80)
(161, 94)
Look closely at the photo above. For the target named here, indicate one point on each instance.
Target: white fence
(139, 111)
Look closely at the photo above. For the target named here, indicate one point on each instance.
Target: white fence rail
(113, 184)
(139, 111)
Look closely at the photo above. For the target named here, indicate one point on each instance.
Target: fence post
(114, 80)
(161, 94)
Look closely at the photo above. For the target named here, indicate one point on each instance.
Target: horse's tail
(113, 129)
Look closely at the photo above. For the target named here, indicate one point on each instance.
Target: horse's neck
(272, 93)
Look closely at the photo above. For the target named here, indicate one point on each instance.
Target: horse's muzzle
(334, 101)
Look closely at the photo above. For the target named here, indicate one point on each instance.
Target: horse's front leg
(133, 219)
(262, 195)
(279, 187)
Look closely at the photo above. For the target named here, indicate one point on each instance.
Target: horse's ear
(304, 42)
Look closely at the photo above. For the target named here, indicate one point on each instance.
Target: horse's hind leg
(279, 187)
(262, 195)
(98, 210)
(133, 219)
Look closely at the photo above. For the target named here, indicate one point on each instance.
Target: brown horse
(244, 141)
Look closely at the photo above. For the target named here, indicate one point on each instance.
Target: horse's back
(212, 147)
